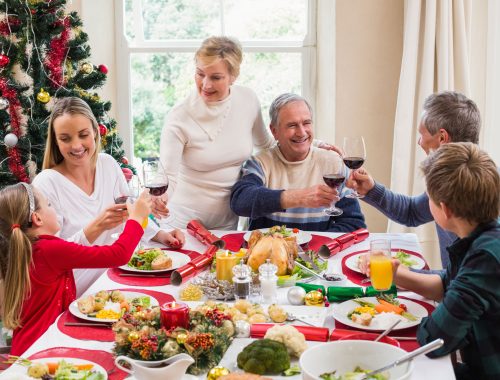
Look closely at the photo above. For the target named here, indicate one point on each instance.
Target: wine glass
(381, 264)
(354, 157)
(156, 180)
(334, 179)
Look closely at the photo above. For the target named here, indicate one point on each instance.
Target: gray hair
(282, 101)
(453, 112)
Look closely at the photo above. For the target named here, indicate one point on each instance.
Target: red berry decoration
(4, 60)
(127, 173)
(124, 160)
(103, 130)
(103, 69)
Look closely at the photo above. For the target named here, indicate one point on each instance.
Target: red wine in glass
(354, 162)
(121, 199)
(333, 181)
(157, 189)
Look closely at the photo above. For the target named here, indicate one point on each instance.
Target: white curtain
(435, 58)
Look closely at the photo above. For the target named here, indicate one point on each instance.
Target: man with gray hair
(284, 184)
(447, 117)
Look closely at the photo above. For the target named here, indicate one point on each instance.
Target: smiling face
(213, 80)
(75, 138)
(427, 141)
(294, 130)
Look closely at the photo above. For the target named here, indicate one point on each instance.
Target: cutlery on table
(87, 324)
(291, 318)
(308, 270)
(388, 330)
(140, 275)
(304, 256)
(435, 344)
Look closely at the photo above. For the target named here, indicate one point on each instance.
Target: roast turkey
(282, 251)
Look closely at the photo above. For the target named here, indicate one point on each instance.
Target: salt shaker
(268, 282)
(241, 281)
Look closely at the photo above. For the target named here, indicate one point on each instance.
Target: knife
(304, 256)
(88, 324)
(140, 275)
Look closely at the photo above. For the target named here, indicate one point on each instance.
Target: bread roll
(161, 262)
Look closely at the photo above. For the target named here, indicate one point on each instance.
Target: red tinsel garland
(7, 25)
(15, 164)
(58, 50)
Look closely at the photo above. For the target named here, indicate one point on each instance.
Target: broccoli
(264, 356)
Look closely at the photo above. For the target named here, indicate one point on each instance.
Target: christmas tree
(44, 55)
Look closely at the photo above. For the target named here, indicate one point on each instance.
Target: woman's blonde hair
(15, 249)
(70, 106)
(224, 48)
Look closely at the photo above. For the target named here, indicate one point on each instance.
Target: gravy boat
(172, 368)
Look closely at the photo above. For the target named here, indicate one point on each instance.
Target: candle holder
(174, 314)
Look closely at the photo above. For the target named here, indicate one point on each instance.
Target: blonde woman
(80, 182)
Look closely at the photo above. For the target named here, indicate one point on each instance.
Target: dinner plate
(303, 237)
(18, 369)
(178, 260)
(341, 310)
(352, 261)
(73, 307)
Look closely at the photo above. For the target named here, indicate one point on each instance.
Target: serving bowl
(345, 355)
(371, 337)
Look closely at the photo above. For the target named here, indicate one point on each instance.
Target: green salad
(286, 232)
(356, 374)
(405, 259)
(298, 273)
(143, 258)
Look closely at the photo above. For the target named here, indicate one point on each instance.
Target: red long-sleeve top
(52, 282)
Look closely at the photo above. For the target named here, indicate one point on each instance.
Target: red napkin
(195, 266)
(161, 278)
(342, 242)
(342, 330)
(103, 358)
(320, 334)
(198, 230)
(101, 334)
(357, 277)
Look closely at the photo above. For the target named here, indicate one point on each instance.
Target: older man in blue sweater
(284, 184)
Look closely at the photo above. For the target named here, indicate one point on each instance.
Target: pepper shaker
(268, 282)
(241, 281)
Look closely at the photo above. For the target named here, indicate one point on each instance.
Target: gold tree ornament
(87, 68)
(217, 372)
(43, 96)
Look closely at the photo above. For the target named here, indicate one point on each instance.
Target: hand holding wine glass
(334, 179)
(354, 156)
(156, 180)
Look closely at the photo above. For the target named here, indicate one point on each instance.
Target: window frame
(125, 49)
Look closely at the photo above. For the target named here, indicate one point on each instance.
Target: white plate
(22, 370)
(178, 260)
(311, 314)
(73, 307)
(352, 261)
(341, 310)
(303, 237)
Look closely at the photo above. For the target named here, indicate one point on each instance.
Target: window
(159, 39)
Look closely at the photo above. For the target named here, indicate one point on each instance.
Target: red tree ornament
(4, 60)
(103, 130)
(103, 69)
(124, 160)
(127, 173)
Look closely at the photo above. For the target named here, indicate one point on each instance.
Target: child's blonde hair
(17, 202)
(465, 179)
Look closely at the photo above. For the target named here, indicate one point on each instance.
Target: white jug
(172, 368)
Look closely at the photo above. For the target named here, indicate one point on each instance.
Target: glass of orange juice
(380, 264)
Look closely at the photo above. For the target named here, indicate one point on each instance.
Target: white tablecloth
(424, 369)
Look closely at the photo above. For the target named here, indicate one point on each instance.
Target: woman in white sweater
(80, 183)
(209, 135)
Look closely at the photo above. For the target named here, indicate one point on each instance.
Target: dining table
(424, 367)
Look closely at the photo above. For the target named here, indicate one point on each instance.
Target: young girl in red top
(37, 267)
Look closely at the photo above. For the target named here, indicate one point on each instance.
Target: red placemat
(235, 241)
(103, 358)
(408, 345)
(357, 277)
(101, 334)
(160, 279)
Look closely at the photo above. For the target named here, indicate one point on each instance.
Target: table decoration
(342, 242)
(100, 333)
(147, 279)
(198, 230)
(141, 336)
(296, 295)
(174, 314)
(320, 334)
(224, 263)
(196, 265)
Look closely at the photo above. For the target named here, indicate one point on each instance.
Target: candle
(174, 314)
(224, 265)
